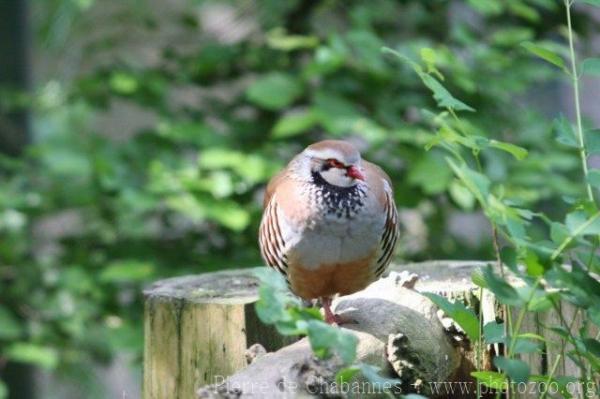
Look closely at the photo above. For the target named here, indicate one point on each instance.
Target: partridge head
(329, 223)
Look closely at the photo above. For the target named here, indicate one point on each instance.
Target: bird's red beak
(355, 173)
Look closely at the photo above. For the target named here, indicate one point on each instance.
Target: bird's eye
(334, 163)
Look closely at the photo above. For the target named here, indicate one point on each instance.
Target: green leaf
(428, 56)
(526, 345)
(594, 314)
(592, 346)
(592, 141)
(477, 278)
(278, 39)
(512, 36)
(251, 167)
(491, 379)
(545, 54)
(293, 124)
(564, 132)
(503, 291)
(576, 220)
(518, 152)
(533, 265)
(273, 301)
(591, 66)
(493, 332)
(274, 91)
(461, 195)
(508, 256)
(127, 270)
(517, 370)
(346, 374)
(3, 390)
(477, 183)
(38, 355)
(325, 339)
(230, 214)
(558, 232)
(442, 96)
(123, 83)
(592, 2)
(10, 328)
(462, 315)
(594, 178)
(487, 7)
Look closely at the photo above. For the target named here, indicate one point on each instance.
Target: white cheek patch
(337, 177)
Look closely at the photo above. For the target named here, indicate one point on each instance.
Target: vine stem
(521, 317)
(575, 80)
(551, 375)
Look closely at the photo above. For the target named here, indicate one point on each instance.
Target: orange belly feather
(330, 279)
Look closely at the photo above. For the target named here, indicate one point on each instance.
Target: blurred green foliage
(88, 214)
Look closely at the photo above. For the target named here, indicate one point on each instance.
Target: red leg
(330, 317)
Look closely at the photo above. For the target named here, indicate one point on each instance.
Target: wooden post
(197, 328)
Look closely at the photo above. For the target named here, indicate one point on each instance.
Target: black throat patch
(337, 200)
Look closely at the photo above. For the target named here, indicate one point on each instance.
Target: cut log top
(442, 275)
(241, 285)
(224, 287)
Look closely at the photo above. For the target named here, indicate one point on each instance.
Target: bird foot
(333, 318)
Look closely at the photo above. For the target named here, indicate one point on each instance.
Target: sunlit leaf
(442, 96)
(38, 355)
(346, 374)
(278, 39)
(545, 53)
(294, 124)
(491, 379)
(123, 83)
(274, 91)
(518, 152)
(461, 195)
(127, 270)
(462, 315)
(476, 182)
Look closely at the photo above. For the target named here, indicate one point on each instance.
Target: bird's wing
(381, 184)
(270, 238)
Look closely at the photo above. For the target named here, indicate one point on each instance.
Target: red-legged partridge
(329, 223)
